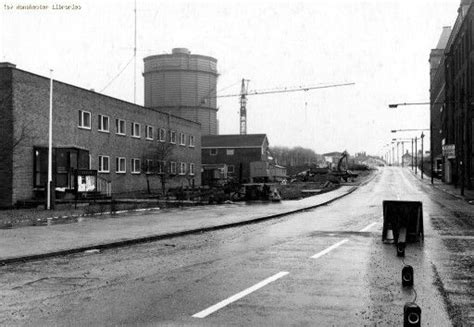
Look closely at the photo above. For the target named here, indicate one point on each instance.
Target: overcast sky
(382, 46)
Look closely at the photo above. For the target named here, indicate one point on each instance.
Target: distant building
(184, 85)
(458, 118)
(92, 134)
(407, 160)
(246, 157)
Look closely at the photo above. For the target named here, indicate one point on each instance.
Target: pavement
(447, 188)
(100, 232)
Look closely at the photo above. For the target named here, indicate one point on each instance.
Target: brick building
(437, 98)
(115, 139)
(458, 119)
(246, 157)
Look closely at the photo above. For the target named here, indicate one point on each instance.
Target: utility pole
(412, 154)
(135, 59)
(243, 106)
(416, 155)
(50, 145)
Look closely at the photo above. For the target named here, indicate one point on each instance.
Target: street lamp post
(395, 105)
(50, 145)
(421, 168)
(416, 155)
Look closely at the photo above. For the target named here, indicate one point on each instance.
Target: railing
(104, 186)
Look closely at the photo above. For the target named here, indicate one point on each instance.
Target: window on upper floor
(230, 152)
(182, 139)
(162, 135)
(135, 129)
(213, 152)
(149, 132)
(191, 141)
(191, 169)
(230, 169)
(120, 126)
(173, 137)
(84, 119)
(103, 123)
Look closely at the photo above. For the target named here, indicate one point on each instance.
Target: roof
(443, 39)
(233, 141)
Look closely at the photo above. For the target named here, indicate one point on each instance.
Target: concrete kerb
(438, 187)
(121, 243)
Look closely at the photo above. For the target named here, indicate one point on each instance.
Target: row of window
(85, 122)
(229, 152)
(150, 166)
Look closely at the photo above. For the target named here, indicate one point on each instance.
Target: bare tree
(156, 162)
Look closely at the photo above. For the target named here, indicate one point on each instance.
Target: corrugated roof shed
(233, 141)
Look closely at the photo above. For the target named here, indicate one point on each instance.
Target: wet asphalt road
(324, 267)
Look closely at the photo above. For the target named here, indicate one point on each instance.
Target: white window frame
(149, 132)
(118, 167)
(229, 170)
(102, 159)
(102, 119)
(135, 128)
(82, 114)
(213, 152)
(162, 135)
(118, 125)
(230, 152)
(135, 166)
(149, 166)
(173, 137)
(191, 169)
(182, 168)
(182, 139)
(191, 141)
(161, 166)
(173, 167)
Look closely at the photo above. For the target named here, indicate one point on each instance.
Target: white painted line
(368, 227)
(220, 305)
(329, 249)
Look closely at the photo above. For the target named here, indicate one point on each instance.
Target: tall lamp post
(50, 145)
(395, 105)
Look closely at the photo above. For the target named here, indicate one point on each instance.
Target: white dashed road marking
(329, 249)
(365, 229)
(240, 295)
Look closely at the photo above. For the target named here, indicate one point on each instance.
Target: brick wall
(241, 158)
(6, 139)
(31, 107)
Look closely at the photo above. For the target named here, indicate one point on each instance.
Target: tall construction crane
(244, 93)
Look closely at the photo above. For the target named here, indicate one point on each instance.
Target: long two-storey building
(93, 134)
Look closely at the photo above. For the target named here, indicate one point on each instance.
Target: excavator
(339, 174)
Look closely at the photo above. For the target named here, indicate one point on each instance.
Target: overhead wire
(116, 76)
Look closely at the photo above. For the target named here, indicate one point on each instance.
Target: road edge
(147, 239)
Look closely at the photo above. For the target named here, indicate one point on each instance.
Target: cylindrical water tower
(184, 85)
